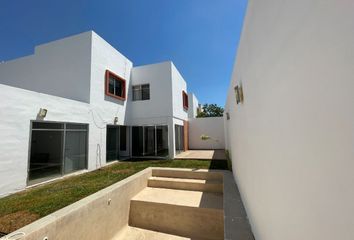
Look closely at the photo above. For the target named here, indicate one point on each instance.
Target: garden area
(20, 209)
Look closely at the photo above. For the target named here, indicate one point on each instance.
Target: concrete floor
(203, 154)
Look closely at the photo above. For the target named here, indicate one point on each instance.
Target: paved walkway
(202, 154)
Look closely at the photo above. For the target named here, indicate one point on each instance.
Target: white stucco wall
(193, 105)
(158, 109)
(292, 140)
(104, 108)
(59, 68)
(178, 85)
(212, 127)
(20, 107)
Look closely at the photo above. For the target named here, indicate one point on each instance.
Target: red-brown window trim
(118, 78)
(185, 100)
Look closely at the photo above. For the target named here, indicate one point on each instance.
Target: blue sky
(199, 36)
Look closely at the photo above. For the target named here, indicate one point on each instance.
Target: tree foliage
(210, 110)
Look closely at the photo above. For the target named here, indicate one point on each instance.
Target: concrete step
(143, 234)
(191, 214)
(186, 184)
(187, 174)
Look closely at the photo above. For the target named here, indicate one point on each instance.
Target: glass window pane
(75, 151)
(136, 93)
(179, 138)
(118, 88)
(149, 140)
(162, 140)
(111, 85)
(47, 125)
(112, 152)
(76, 126)
(123, 138)
(146, 92)
(46, 155)
(137, 141)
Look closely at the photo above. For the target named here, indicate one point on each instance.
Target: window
(185, 100)
(115, 86)
(56, 149)
(141, 92)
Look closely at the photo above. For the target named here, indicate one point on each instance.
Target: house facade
(77, 104)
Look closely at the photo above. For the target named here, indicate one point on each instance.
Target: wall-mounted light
(227, 116)
(115, 120)
(42, 112)
(238, 94)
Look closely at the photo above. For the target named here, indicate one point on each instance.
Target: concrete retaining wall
(98, 216)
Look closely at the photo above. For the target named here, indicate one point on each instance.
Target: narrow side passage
(236, 222)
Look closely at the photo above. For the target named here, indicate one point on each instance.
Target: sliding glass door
(56, 149)
(75, 148)
(112, 143)
(179, 138)
(162, 141)
(137, 141)
(150, 141)
(117, 143)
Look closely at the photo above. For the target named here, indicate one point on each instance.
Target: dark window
(137, 141)
(56, 149)
(46, 125)
(123, 138)
(141, 92)
(185, 100)
(115, 86)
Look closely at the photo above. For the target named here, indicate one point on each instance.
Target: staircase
(178, 204)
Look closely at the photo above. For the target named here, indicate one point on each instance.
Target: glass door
(75, 148)
(150, 141)
(179, 138)
(112, 143)
(56, 149)
(123, 141)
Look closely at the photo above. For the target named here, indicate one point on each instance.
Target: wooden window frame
(185, 100)
(117, 78)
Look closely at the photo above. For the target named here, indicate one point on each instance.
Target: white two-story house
(77, 104)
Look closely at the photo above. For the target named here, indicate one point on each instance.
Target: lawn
(22, 208)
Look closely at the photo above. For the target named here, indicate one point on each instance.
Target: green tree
(210, 110)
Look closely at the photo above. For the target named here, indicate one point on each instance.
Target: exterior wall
(212, 127)
(178, 86)
(193, 105)
(103, 109)
(20, 107)
(291, 141)
(158, 109)
(43, 71)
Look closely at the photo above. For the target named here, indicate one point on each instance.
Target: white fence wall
(292, 140)
(212, 127)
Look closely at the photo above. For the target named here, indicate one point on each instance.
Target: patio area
(202, 155)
